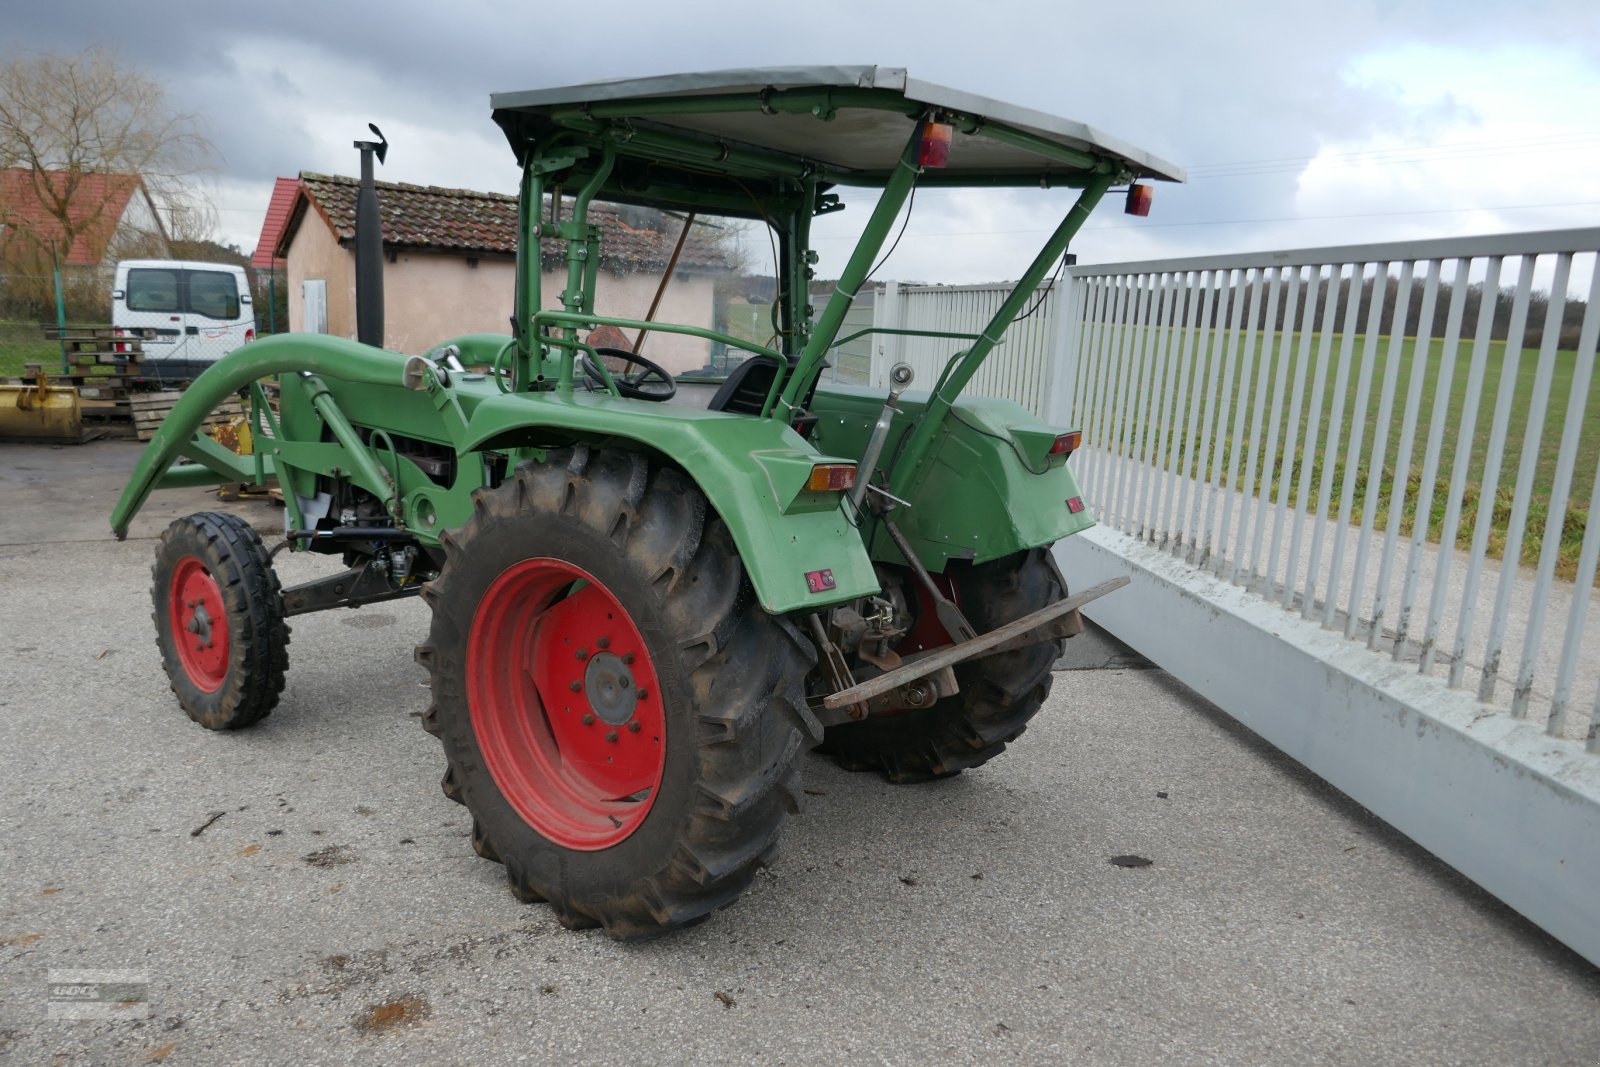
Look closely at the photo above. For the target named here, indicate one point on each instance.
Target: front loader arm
(316, 354)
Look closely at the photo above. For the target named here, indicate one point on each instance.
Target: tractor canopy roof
(831, 125)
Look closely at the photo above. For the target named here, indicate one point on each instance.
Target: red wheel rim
(199, 624)
(565, 704)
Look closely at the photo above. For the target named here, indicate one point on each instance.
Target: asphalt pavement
(302, 892)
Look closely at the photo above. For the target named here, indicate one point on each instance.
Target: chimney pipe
(369, 246)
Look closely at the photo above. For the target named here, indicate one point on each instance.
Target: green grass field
(24, 342)
(1450, 416)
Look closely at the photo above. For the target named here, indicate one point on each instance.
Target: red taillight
(1067, 443)
(249, 335)
(1074, 504)
(1139, 200)
(831, 477)
(934, 150)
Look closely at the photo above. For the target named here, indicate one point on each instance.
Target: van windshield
(211, 293)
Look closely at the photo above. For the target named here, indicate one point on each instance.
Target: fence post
(887, 314)
(61, 310)
(1061, 368)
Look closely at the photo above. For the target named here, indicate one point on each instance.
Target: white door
(314, 292)
(217, 320)
(152, 310)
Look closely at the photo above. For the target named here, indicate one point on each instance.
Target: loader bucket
(38, 411)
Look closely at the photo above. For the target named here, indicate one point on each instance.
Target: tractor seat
(745, 390)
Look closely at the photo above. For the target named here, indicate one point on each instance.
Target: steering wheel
(652, 382)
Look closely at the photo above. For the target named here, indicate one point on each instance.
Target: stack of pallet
(150, 408)
(103, 376)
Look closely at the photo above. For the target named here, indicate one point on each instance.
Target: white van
(186, 315)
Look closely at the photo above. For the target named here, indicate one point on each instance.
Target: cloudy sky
(1300, 124)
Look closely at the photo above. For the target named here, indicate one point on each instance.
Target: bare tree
(64, 118)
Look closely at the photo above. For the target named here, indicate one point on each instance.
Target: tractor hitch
(1023, 631)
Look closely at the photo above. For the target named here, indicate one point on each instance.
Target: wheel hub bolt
(641, 693)
(575, 685)
(583, 654)
(627, 657)
(588, 718)
(633, 727)
(604, 642)
(611, 735)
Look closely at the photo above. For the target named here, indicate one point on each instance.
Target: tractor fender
(751, 470)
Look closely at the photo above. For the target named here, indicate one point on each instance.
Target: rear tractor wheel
(998, 694)
(619, 715)
(219, 620)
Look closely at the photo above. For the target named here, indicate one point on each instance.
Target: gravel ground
(334, 911)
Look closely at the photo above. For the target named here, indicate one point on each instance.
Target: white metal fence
(1297, 454)
(1022, 367)
(1396, 441)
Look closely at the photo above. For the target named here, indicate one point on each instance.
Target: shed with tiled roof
(476, 223)
(450, 257)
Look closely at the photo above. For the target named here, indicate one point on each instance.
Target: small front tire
(219, 620)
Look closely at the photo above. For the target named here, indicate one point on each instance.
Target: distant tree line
(1533, 330)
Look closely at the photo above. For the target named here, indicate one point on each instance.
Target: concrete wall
(429, 297)
(314, 253)
(687, 301)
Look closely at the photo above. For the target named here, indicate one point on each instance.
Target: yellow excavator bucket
(38, 411)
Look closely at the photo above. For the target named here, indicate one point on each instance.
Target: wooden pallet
(104, 378)
(149, 409)
(90, 338)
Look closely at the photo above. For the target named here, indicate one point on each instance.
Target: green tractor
(652, 596)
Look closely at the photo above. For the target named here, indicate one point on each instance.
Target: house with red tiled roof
(450, 258)
(284, 192)
(108, 217)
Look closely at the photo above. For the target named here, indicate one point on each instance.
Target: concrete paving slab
(334, 911)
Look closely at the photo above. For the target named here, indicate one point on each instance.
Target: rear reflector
(1074, 504)
(1139, 200)
(819, 581)
(831, 477)
(1067, 443)
(934, 150)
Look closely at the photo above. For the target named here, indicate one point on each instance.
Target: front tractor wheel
(998, 694)
(619, 715)
(219, 620)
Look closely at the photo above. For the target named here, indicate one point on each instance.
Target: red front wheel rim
(199, 624)
(565, 704)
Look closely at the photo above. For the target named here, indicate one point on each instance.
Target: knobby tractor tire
(620, 717)
(219, 620)
(998, 694)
